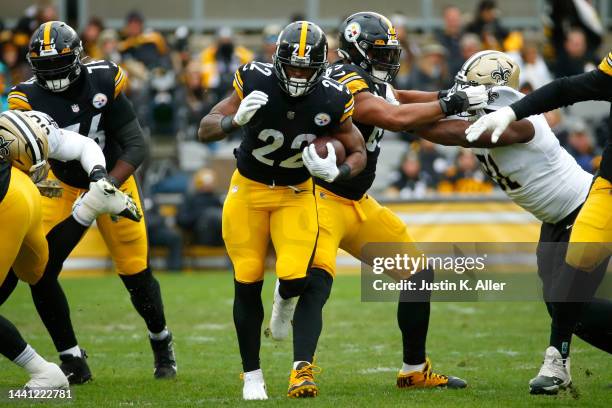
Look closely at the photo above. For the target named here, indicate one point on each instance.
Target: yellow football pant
(350, 225)
(23, 244)
(126, 240)
(591, 239)
(254, 213)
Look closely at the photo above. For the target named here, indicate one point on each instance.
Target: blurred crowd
(176, 77)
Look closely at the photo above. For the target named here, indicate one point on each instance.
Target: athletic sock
(409, 368)
(72, 351)
(308, 316)
(159, 336)
(145, 295)
(30, 360)
(48, 296)
(413, 320)
(248, 318)
(11, 342)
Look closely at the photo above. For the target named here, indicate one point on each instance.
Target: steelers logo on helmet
(352, 32)
(322, 119)
(99, 100)
(300, 59)
(54, 55)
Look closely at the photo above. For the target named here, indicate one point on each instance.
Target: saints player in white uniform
(27, 141)
(532, 168)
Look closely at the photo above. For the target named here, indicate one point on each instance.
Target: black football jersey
(5, 178)
(273, 140)
(358, 80)
(82, 108)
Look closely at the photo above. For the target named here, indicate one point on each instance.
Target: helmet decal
(501, 74)
(352, 32)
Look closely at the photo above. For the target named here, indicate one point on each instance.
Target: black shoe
(75, 368)
(165, 363)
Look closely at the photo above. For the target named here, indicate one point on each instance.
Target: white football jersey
(540, 176)
(66, 145)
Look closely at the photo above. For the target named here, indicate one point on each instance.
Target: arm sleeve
(593, 85)
(126, 131)
(66, 145)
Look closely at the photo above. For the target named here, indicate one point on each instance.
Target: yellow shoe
(428, 379)
(301, 381)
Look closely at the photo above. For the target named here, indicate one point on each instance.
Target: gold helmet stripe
(47, 36)
(28, 133)
(303, 35)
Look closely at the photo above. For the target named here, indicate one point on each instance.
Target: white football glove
(249, 105)
(326, 168)
(496, 121)
(477, 97)
(104, 198)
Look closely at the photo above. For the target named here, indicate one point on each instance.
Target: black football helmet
(368, 40)
(301, 47)
(54, 55)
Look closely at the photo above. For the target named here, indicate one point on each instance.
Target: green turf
(496, 347)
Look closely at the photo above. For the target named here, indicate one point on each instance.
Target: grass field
(497, 347)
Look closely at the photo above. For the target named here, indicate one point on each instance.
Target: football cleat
(254, 387)
(75, 368)
(554, 374)
(428, 379)
(301, 381)
(282, 315)
(50, 377)
(165, 362)
(101, 198)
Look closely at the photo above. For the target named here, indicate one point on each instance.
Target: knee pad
(292, 288)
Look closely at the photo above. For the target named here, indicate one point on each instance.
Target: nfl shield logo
(75, 108)
(290, 115)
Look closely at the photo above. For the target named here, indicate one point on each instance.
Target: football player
(591, 237)
(349, 218)
(281, 107)
(27, 140)
(88, 98)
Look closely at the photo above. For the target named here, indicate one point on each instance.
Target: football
(321, 146)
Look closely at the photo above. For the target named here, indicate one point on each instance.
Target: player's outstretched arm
(411, 96)
(452, 133)
(230, 114)
(593, 85)
(376, 111)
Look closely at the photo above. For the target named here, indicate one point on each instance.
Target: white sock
(30, 360)
(159, 336)
(408, 368)
(255, 374)
(72, 351)
(297, 363)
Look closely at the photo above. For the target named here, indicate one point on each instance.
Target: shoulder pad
(247, 76)
(352, 76)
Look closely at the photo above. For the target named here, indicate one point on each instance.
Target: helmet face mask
(369, 40)
(55, 55)
(300, 59)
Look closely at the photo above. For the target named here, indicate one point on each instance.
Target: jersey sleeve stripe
(17, 93)
(347, 76)
(356, 86)
(346, 116)
(121, 83)
(238, 79)
(606, 65)
(17, 101)
(238, 89)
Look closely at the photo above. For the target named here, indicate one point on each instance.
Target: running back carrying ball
(321, 146)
